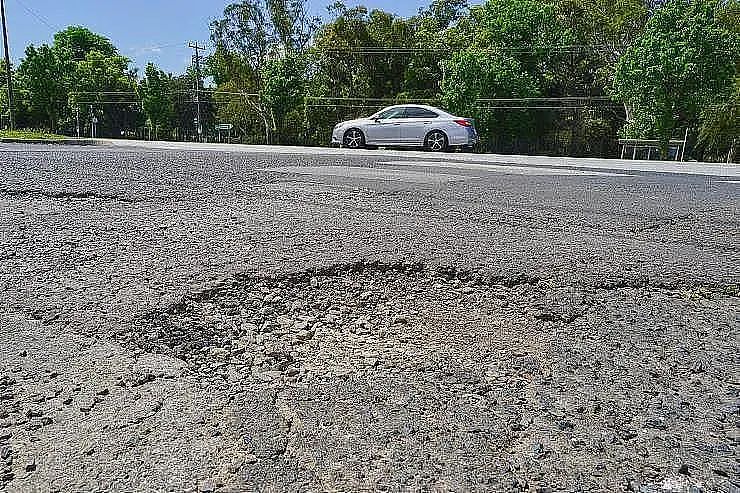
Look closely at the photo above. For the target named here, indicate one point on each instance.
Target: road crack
(62, 195)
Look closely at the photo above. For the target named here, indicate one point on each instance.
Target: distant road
(457, 160)
(421, 158)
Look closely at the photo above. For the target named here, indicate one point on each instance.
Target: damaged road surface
(205, 321)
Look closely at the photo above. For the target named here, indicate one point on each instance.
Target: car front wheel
(354, 139)
(436, 141)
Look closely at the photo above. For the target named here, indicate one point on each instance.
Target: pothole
(339, 320)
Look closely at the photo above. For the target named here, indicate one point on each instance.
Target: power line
(102, 92)
(38, 16)
(381, 100)
(159, 47)
(382, 50)
(216, 91)
(563, 98)
(107, 102)
(342, 106)
(534, 107)
(156, 48)
(480, 108)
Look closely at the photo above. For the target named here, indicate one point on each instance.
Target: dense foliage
(539, 76)
(676, 69)
(79, 70)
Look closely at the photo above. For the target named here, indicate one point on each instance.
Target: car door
(386, 128)
(416, 125)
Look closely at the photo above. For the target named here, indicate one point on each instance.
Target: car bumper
(336, 137)
(465, 137)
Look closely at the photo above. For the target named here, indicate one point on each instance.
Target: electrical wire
(389, 100)
(516, 49)
(38, 16)
(106, 102)
(103, 92)
(564, 98)
(493, 108)
(145, 49)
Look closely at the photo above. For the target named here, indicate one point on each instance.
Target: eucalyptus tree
(424, 72)
(505, 49)
(719, 133)
(684, 62)
(257, 39)
(157, 94)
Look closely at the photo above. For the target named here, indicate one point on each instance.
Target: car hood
(358, 121)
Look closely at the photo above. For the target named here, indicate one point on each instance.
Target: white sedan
(407, 126)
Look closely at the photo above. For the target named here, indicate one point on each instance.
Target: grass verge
(30, 135)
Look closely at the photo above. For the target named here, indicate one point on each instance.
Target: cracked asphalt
(202, 320)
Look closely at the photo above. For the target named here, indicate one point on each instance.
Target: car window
(420, 113)
(392, 114)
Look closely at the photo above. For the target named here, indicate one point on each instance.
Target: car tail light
(464, 123)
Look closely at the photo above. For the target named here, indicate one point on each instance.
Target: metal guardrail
(653, 144)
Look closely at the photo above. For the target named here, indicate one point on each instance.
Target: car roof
(423, 106)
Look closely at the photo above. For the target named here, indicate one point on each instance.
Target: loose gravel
(537, 376)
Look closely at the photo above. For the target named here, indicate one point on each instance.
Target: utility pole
(8, 74)
(198, 126)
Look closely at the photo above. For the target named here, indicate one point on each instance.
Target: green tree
(44, 79)
(720, 124)
(530, 31)
(75, 42)
(293, 26)
(505, 49)
(358, 53)
(184, 111)
(284, 90)
(104, 83)
(473, 74)
(250, 36)
(424, 70)
(363, 57)
(680, 65)
(444, 13)
(156, 91)
(81, 69)
(339, 71)
(236, 99)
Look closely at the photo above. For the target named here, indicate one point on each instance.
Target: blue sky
(153, 30)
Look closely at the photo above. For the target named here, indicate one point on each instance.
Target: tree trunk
(274, 126)
(267, 129)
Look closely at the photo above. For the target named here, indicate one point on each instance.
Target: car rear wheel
(354, 139)
(436, 141)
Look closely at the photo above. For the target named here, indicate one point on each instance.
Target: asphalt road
(213, 318)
